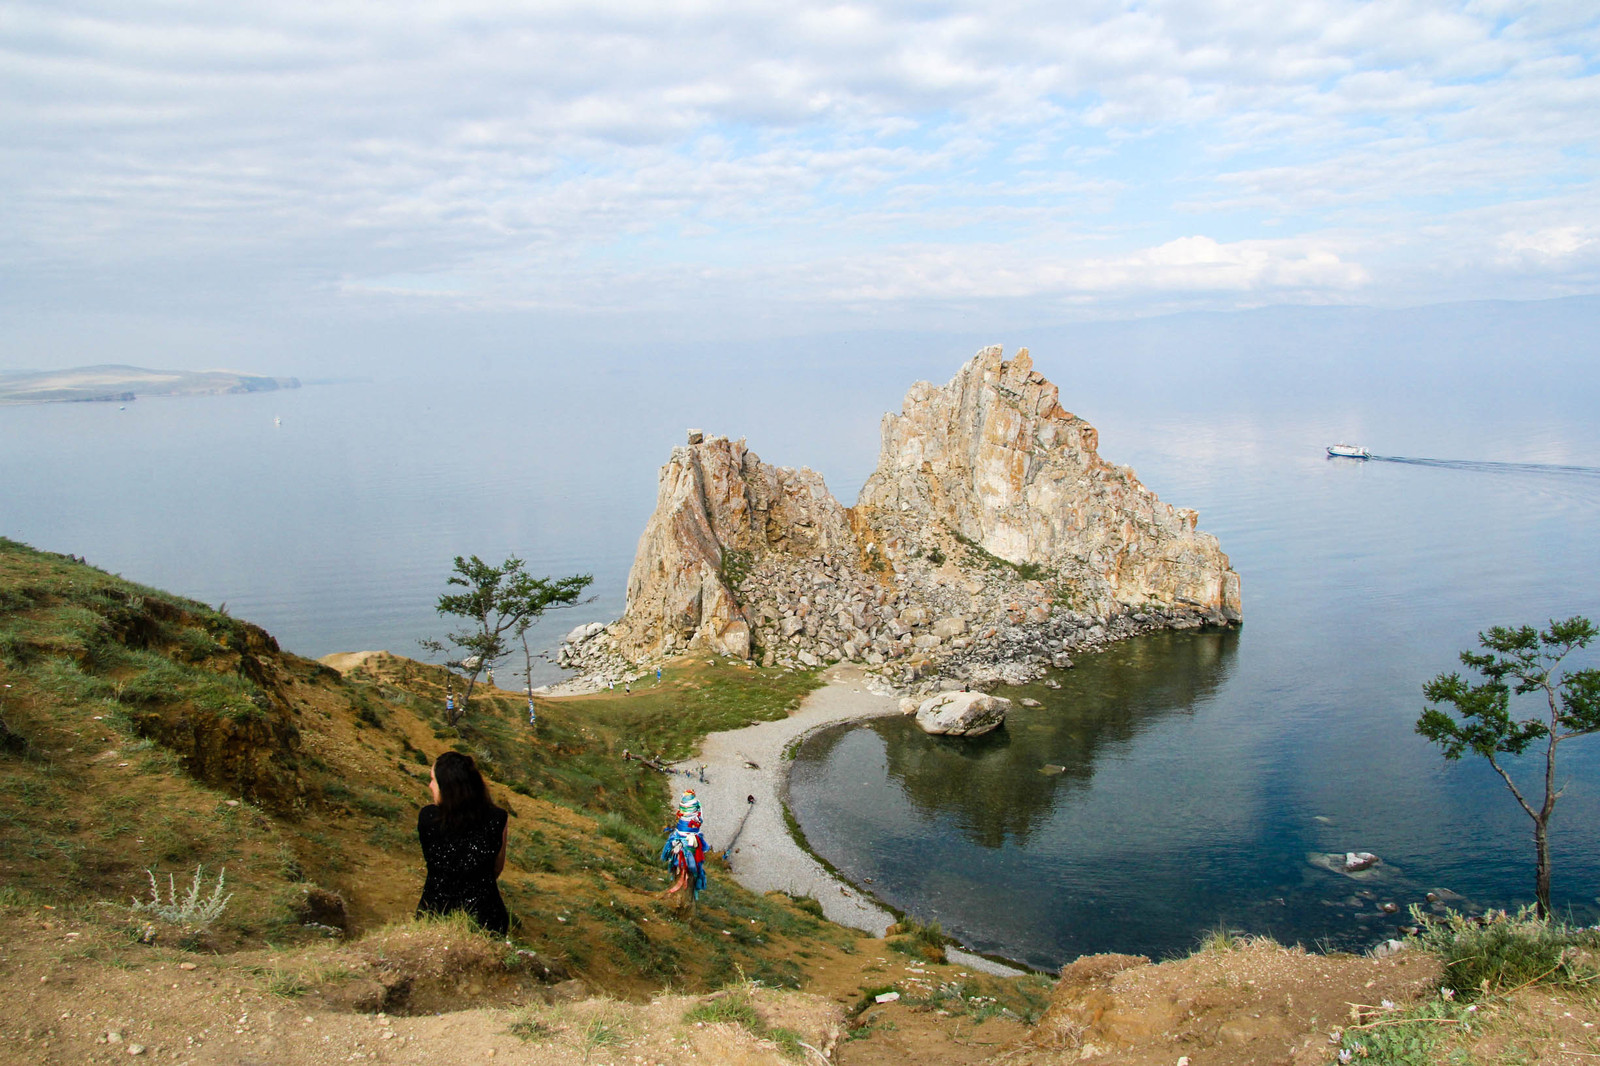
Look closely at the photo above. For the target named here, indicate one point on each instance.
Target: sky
(305, 187)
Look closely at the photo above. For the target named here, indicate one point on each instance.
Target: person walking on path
(463, 836)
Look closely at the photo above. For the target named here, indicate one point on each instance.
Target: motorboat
(1348, 451)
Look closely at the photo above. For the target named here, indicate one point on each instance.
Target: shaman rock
(992, 461)
(991, 542)
(962, 714)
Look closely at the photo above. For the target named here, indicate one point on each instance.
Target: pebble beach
(741, 764)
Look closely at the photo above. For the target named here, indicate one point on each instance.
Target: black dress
(461, 874)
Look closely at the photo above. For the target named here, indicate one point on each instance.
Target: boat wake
(1487, 467)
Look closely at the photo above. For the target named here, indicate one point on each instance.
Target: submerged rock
(962, 714)
(1356, 865)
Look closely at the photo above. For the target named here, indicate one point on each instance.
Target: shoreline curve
(748, 762)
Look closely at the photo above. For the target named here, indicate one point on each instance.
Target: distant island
(119, 384)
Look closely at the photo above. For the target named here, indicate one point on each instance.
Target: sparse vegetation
(1391, 1035)
(920, 941)
(195, 911)
(734, 567)
(604, 1030)
(1502, 951)
(735, 1007)
(977, 555)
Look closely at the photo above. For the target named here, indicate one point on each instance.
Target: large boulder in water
(962, 714)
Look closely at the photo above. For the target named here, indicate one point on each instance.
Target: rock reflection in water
(1043, 866)
(991, 787)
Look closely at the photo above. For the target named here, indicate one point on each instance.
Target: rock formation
(991, 541)
(993, 461)
(962, 714)
(719, 511)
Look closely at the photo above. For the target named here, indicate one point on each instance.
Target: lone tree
(501, 603)
(1477, 717)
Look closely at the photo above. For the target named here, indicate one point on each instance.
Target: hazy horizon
(327, 191)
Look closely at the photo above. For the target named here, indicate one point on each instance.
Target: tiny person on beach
(463, 837)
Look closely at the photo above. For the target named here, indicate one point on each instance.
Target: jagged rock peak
(720, 511)
(993, 460)
(991, 542)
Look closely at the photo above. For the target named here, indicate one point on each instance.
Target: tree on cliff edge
(501, 603)
(1518, 662)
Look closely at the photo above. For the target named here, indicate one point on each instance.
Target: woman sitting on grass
(463, 838)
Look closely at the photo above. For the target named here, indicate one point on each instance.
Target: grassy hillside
(148, 732)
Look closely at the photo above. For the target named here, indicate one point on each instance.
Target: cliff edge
(991, 541)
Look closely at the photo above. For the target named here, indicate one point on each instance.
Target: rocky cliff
(719, 511)
(991, 541)
(992, 461)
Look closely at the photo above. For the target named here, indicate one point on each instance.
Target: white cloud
(1187, 265)
(1550, 247)
(595, 153)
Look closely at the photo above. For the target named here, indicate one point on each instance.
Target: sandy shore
(742, 763)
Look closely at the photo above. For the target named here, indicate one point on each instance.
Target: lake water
(1200, 768)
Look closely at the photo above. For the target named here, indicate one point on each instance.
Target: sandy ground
(741, 763)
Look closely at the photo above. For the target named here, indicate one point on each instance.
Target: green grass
(575, 756)
(99, 664)
(736, 1008)
(925, 942)
(603, 1031)
(1507, 951)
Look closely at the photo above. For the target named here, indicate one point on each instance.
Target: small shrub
(920, 941)
(1504, 951)
(809, 904)
(528, 1026)
(1389, 1035)
(195, 912)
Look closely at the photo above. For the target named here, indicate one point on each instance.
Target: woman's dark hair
(463, 797)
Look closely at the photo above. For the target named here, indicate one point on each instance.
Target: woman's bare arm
(500, 859)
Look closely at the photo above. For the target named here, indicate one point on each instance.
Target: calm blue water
(1200, 768)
